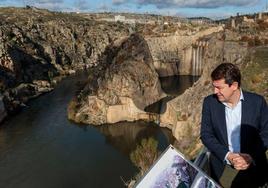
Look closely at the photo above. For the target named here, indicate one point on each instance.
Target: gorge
(38, 48)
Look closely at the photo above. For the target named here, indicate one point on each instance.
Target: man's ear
(235, 85)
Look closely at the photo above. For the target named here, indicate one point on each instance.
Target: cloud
(45, 1)
(119, 2)
(188, 3)
(54, 5)
(216, 15)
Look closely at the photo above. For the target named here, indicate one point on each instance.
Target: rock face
(255, 72)
(126, 87)
(37, 47)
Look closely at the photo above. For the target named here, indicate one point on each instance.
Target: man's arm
(264, 123)
(208, 136)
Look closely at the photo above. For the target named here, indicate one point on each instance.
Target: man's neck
(234, 99)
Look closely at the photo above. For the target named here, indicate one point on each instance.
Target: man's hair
(227, 71)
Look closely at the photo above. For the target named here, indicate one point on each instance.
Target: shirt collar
(241, 95)
(240, 99)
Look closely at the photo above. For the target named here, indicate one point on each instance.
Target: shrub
(145, 154)
(257, 41)
(245, 38)
(72, 108)
(266, 41)
(251, 43)
(256, 79)
(207, 82)
(262, 25)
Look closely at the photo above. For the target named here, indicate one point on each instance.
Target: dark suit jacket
(253, 135)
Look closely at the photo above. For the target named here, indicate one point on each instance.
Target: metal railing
(202, 160)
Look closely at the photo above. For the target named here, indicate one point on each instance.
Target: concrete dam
(180, 55)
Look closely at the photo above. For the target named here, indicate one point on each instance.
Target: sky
(215, 9)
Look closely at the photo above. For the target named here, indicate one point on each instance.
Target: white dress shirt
(233, 125)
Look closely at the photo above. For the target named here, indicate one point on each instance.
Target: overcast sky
(186, 8)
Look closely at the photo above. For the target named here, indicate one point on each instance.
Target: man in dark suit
(234, 128)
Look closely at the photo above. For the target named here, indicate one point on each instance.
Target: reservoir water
(40, 148)
(173, 86)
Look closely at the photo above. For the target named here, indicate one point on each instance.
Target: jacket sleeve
(264, 123)
(208, 134)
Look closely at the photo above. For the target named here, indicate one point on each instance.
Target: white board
(172, 170)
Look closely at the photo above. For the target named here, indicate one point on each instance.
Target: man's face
(223, 91)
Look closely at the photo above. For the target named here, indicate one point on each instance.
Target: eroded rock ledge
(127, 85)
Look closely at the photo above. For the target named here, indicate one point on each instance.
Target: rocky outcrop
(126, 87)
(38, 47)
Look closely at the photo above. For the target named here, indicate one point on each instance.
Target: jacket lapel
(243, 131)
(245, 108)
(222, 122)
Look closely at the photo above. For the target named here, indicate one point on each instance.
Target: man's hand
(240, 161)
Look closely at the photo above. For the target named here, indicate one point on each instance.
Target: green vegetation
(262, 25)
(145, 154)
(188, 145)
(255, 72)
(71, 109)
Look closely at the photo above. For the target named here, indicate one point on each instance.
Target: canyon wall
(38, 47)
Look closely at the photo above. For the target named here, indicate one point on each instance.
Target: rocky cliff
(126, 86)
(37, 47)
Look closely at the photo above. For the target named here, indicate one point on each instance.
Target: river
(40, 147)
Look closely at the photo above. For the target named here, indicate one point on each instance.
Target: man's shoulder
(252, 95)
(254, 99)
(211, 98)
